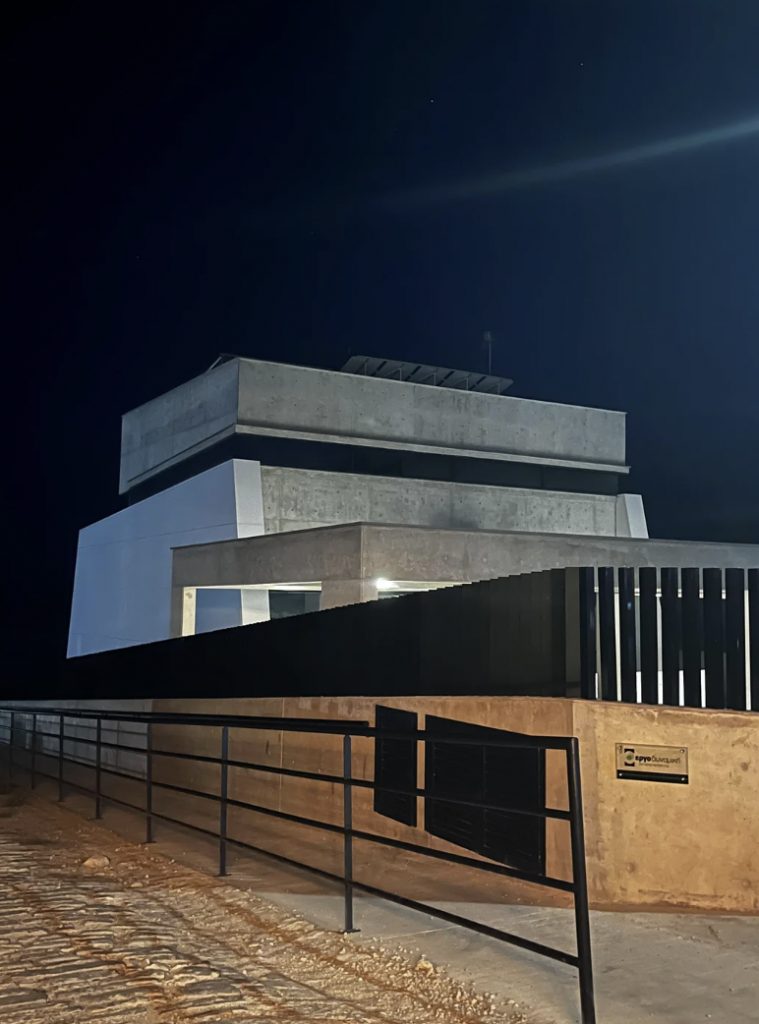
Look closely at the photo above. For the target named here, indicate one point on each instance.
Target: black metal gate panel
(511, 776)
(395, 764)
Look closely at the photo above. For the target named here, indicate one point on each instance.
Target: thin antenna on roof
(488, 341)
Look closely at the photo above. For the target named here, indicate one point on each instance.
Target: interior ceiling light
(383, 584)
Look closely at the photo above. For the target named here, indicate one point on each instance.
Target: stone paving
(93, 928)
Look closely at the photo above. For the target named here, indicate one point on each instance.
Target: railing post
(348, 838)
(61, 736)
(6, 760)
(33, 758)
(580, 880)
(149, 785)
(98, 755)
(223, 792)
(10, 745)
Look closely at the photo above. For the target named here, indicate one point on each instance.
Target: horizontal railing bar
(371, 837)
(397, 844)
(88, 792)
(465, 922)
(516, 940)
(423, 794)
(453, 858)
(425, 908)
(110, 771)
(296, 725)
(53, 756)
(326, 725)
(548, 812)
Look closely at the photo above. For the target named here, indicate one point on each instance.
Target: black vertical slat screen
(692, 637)
(529, 634)
(753, 607)
(558, 621)
(735, 635)
(627, 635)
(522, 631)
(670, 636)
(453, 635)
(530, 629)
(519, 615)
(714, 639)
(608, 634)
(649, 637)
(588, 659)
(702, 624)
(395, 764)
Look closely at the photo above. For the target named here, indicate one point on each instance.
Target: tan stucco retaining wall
(648, 843)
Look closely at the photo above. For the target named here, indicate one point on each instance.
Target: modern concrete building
(260, 490)
(252, 449)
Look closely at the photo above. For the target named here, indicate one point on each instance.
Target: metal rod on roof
(488, 340)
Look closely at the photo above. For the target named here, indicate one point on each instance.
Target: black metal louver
(506, 775)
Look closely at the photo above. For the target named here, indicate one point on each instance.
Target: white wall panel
(122, 584)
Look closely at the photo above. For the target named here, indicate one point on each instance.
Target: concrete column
(189, 597)
(254, 606)
(336, 593)
(630, 517)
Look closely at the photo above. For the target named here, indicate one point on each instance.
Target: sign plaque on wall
(652, 764)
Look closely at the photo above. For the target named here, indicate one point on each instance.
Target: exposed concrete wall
(277, 400)
(334, 553)
(647, 843)
(183, 421)
(651, 843)
(463, 556)
(122, 582)
(299, 499)
(353, 407)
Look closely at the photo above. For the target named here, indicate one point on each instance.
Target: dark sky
(181, 179)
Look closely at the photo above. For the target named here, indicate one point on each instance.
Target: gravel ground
(95, 929)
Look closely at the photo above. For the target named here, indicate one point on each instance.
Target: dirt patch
(145, 940)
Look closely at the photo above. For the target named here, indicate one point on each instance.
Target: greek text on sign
(652, 764)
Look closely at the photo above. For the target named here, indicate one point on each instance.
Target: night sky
(303, 180)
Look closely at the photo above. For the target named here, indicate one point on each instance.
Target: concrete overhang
(363, 551)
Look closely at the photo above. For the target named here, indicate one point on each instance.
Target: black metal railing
(21, 733)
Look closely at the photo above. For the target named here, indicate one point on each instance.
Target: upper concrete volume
(251, 397)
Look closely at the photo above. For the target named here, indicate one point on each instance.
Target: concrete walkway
(649, 968)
